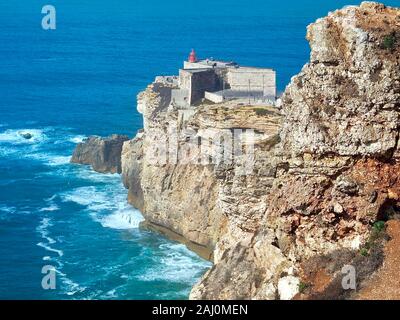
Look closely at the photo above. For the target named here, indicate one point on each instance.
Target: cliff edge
(319, 177)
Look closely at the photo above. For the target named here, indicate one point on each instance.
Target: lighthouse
(192, 56)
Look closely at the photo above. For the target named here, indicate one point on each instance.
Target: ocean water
(82, 79)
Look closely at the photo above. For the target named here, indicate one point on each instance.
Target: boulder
(26, 135)
(103, 154)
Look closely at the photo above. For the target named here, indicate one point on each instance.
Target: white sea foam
(72, 287)
(5, 212)
(7, 209)
(124, 218)
(51, 207)
(12, 143)
(77, 139)
(50, 159)
(100, 201)
(47, 158)
(88, 174)
(42, 229)
(174, 263)
(14, 136)
(90, 197)
(6, 152)
(59, 160)
(110, 294)
(50, 249)
(105, 202)
(51, 198)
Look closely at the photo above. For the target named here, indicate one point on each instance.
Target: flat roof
(196, 70)
(210, 62)
(256, 68)
(220, 63)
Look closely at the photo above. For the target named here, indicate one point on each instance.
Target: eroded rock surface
(325, 166)
(131, 159)
(102, 154)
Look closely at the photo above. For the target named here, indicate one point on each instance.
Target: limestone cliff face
(345, 100)
(325, 166)
(200, 202)
(131, 163)
(340, 132)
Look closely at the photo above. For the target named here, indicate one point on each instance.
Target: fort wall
(252, 79)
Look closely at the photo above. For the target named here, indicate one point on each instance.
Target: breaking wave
(124, 218)
(100, 201)
(77, 139)
(83, 202)
(174, 263)
(51, 205)
(50, 159)
(15, 136)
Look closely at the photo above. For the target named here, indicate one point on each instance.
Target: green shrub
(377, 233)
(303, 286)
(364, 252)
(261, 111)
(389, 41)
(379, 226)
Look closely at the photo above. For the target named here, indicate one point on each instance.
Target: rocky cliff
(323, 167)
(102, 154)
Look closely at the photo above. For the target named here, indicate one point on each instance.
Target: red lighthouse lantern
(192, 56)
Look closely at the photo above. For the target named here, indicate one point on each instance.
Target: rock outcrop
(26, 135)
(323, 169)
(103, 154)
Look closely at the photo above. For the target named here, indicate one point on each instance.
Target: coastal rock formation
(323, 169)
(345, 101)
(103, 154)
(26, 135)
(131, 159)
(340, 132)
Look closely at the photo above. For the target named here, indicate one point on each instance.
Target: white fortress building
(218, 81)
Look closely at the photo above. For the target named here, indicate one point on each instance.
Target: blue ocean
(82, 79)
